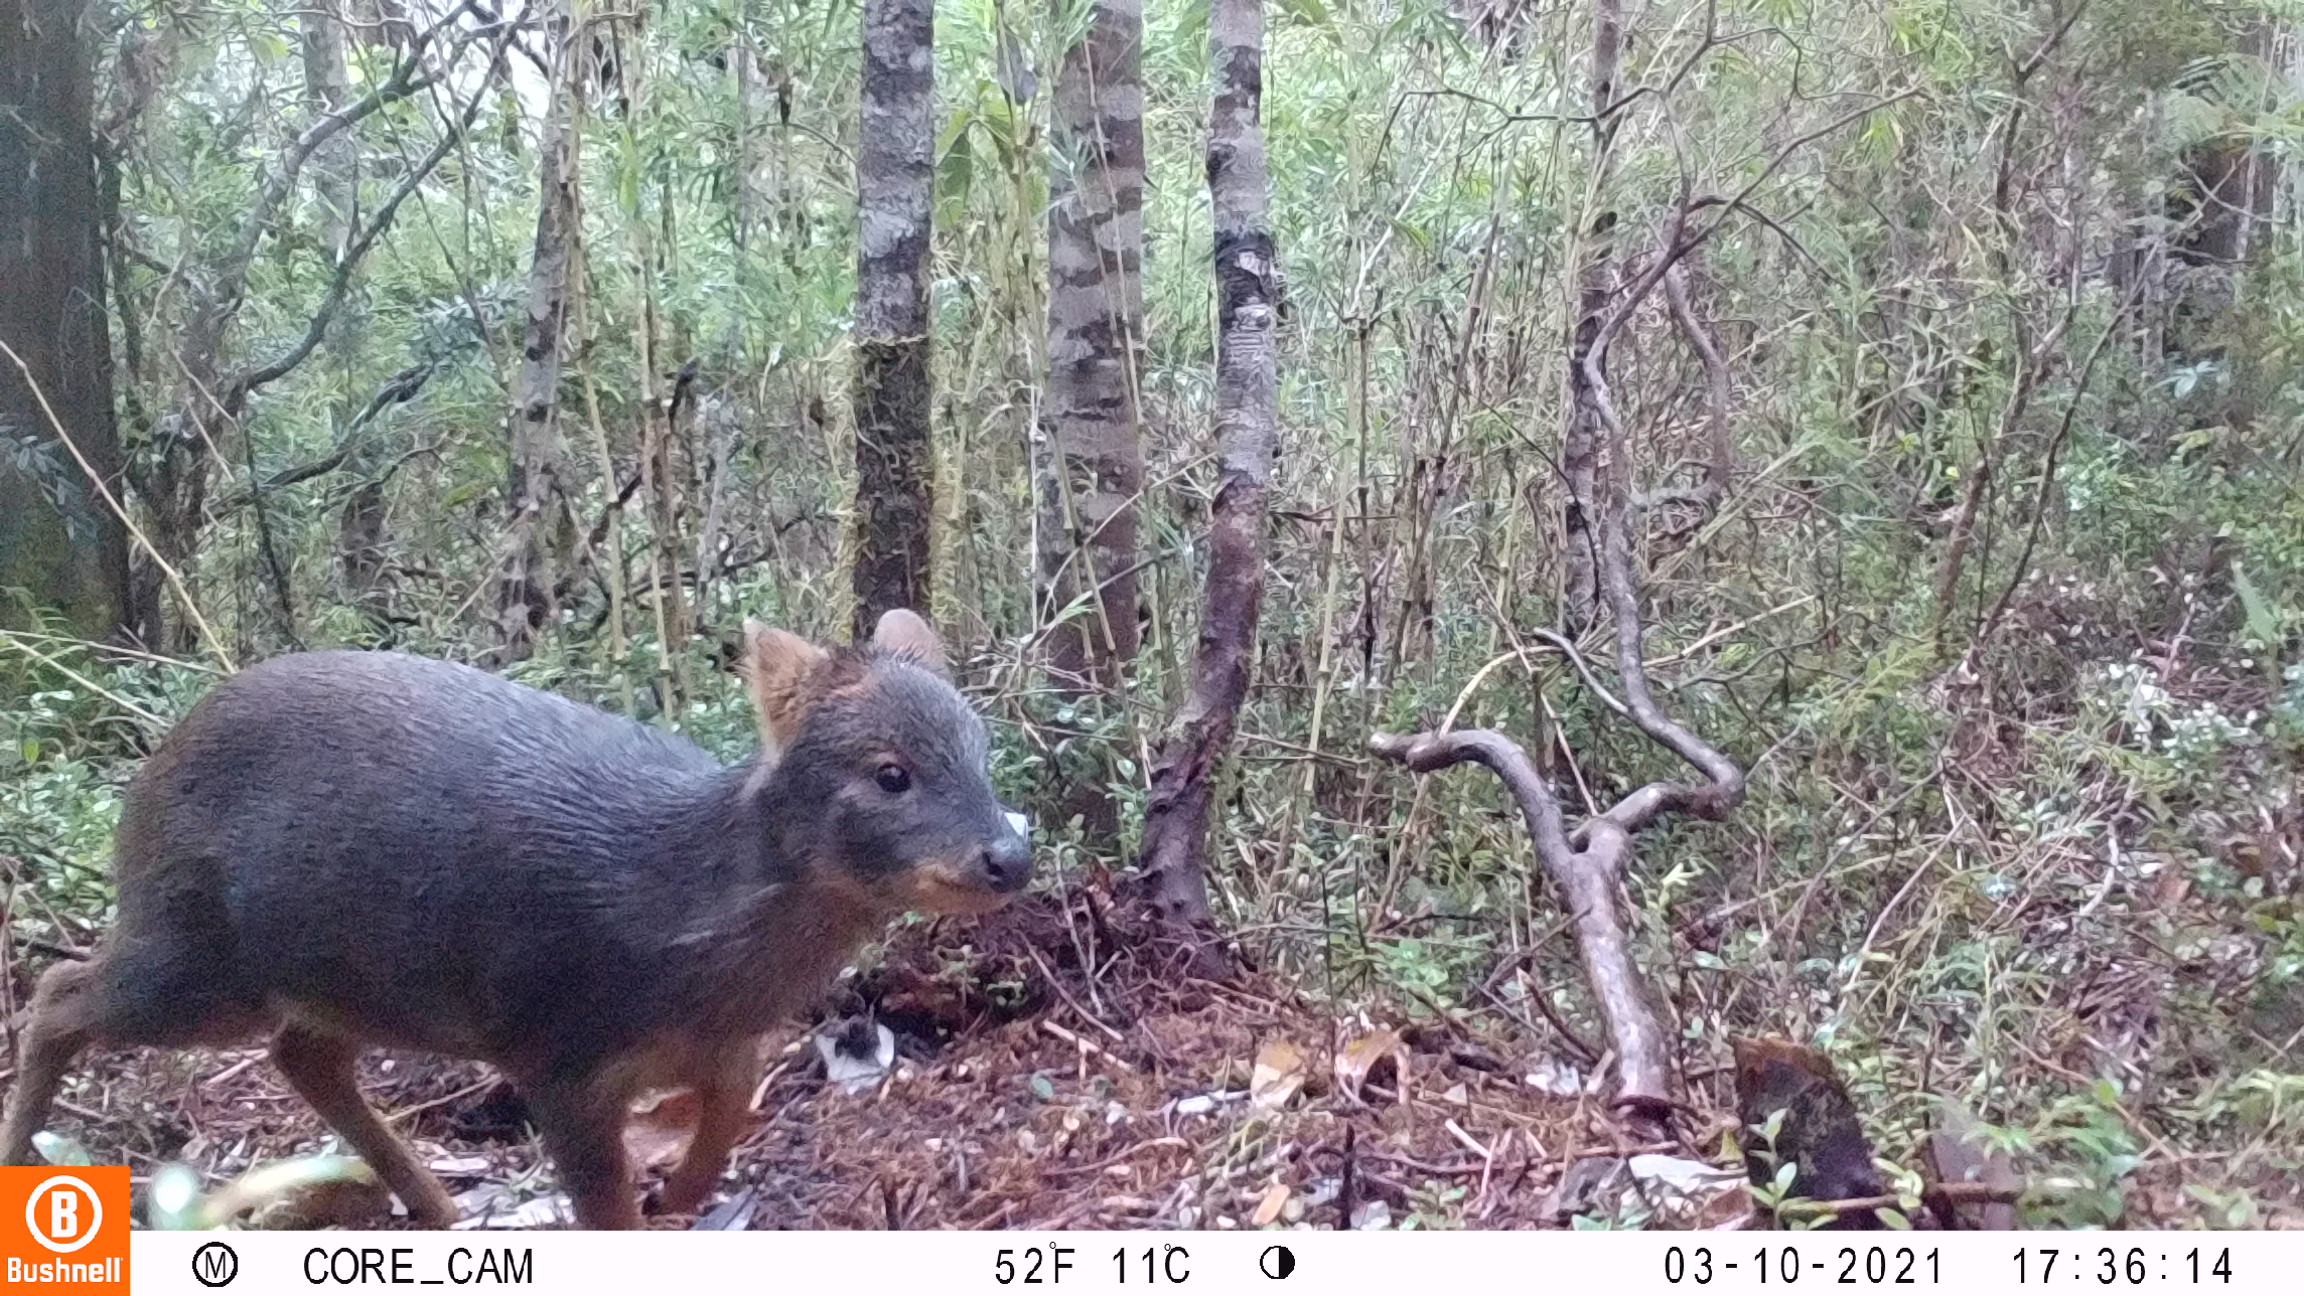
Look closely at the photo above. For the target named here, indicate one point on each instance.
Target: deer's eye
(893, 779)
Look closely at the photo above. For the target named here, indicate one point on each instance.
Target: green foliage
(1969, 814)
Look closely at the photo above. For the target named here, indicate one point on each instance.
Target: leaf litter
(998, 1098)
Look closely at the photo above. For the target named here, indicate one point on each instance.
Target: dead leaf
(2169, 890)
(1552, 1077)
(1268, 1209)
(1956, 1153)
(731, 1216)
(1367, 1057)
(460, 1167)
(354, 1203)
(1279, 1074)
(1724, 1210)
(857, 1054)
(1683, 1176)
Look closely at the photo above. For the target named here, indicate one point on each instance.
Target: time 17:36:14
(2117, 1266)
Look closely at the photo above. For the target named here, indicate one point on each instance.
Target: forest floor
(1022, 1093)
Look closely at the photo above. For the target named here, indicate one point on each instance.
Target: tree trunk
(1595, 287)
(540, 529)
(328, 87)
(360, 530)
(894, 173)
(1095, 350)
(59, 538)
(1095, 473)
(1176, 826)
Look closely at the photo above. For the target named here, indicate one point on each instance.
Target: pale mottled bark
(1095, 349)
(540, 528)
(894, 180)
(1588, 882)
(1176, 826)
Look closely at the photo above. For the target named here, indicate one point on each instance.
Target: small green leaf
(2263, 621)
(1308, 13)
(61, 1151)
(1043, 1088)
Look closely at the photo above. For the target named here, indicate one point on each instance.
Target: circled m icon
(215, 1264)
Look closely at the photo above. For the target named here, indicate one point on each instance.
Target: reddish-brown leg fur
(720, 1099)
(322, 1068)
(583, 1128)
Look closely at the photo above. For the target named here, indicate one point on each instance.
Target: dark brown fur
(347, 849)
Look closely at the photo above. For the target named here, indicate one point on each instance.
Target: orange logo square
(64, 1228)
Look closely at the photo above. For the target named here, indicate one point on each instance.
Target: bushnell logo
(75, 1227)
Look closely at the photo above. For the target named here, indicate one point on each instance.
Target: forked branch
(1587, 882)
(1586, 863)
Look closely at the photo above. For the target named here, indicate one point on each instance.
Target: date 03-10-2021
(1902, 1266)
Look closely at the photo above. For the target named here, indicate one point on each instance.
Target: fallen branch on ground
(1960, 1194)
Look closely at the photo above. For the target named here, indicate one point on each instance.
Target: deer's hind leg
(322, 1067)
(149, 991)
(65, 1008)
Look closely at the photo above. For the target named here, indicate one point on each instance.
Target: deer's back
(423, 852)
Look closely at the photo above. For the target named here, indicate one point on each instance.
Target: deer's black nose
(1007, 861)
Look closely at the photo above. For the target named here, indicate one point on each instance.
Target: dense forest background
(1929, 368)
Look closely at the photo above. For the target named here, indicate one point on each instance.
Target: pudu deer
(344, 849)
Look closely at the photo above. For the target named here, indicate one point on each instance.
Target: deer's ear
(777, 667)
(903, 632)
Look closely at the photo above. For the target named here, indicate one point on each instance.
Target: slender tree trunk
(360, 525)
(1095, 349)
(540, 528)
(59, 539)
(1095, 371)
(1595, 287)
(328, 87)
(894, 174)
(119, 116)
(1176, 826)
(1719, 389)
